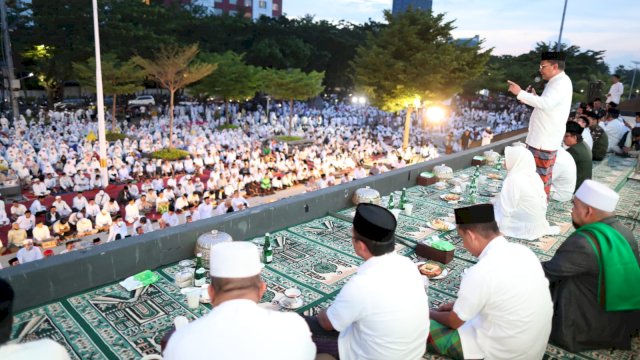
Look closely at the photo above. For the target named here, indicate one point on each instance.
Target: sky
(513, 27)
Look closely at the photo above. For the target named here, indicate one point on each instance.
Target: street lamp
(564, 12)
(435, 114)
(102, 136)
(634, 77)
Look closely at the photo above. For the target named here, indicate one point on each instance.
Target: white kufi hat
(598, 196)
(235, 259)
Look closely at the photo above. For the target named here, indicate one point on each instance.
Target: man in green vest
(579, 151)
(594, 276)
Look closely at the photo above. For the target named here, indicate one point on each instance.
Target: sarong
(545, 159)
(326, 341)
(444, 340)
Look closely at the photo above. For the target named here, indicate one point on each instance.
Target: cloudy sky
(513, 26)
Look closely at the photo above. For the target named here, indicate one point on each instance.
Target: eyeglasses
(544, 66)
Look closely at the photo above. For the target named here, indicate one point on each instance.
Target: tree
(233, 79)
(415, 57)
(118, 77)
(173, 69)
(292, 84)
(45, 65)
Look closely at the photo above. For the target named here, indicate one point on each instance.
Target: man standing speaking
(550, 114)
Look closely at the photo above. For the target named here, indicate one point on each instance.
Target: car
(70, 104)
(143, 100)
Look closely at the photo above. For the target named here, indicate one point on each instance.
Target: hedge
(115, 136)
(170, 154)
(227, 127)
(289, 138)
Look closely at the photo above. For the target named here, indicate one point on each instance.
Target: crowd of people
(509, 305)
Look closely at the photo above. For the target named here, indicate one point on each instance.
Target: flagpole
(102, 137)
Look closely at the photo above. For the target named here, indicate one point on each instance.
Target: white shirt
(79, 202)
(132, 213)
(563, 179)
(615, 129)
(39, 349)
(41, 233)
(615, 92)
(25, 256)
(382, 322)
(239, 329)
(547, 124)
(505, 302)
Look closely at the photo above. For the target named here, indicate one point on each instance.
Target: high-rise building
(248, 8)
(400, 6)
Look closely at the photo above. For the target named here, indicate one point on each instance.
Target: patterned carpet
(316, 257)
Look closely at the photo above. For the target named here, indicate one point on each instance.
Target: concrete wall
(44, 281)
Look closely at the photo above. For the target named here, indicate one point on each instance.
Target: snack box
(426, 178)
(430, 253)
(478, 160)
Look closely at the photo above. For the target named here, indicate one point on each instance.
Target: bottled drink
(499, 163)
(200, 277)
(390, 204)
(403, 199)
(267, 251)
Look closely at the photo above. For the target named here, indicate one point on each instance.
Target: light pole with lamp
(564, 12)
(634, 78)
(22, 78)
(102, 138)
(407, 122)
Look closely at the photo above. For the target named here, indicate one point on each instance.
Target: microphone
(536, 80)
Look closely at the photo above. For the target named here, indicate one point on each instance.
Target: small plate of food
(450, 197)
(494, 176)
(432, 270)
(441, 225)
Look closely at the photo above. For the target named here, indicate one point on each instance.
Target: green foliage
(227, 127)
(170, 154)
(233, 79)
(292, 84)
(115, 136)
(288, 138)
(415, 57)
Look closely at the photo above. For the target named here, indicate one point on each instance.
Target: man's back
(584, 164)
(239, 329)
(505, 302)
(382, 312)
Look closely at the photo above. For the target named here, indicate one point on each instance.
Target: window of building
(262, 4)
(233, 13)
(247, 3)
(233, 2)
(275, 7)
(218, 11)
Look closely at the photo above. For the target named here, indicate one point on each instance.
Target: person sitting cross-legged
(595, 276)
(503, 309)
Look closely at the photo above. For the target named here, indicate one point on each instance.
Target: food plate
(443, 274)
(494, 176)
(450, 197)
(186, 263)
(285, 304)
(440, 185)
(441, 225)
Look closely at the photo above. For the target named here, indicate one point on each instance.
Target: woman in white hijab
(521, 207)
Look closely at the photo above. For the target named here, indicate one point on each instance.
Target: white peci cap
(235, 259)
(598, 196)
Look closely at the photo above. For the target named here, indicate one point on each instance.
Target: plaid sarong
(444, 341)
(545, 160)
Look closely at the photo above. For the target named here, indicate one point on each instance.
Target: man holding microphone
(550, 114)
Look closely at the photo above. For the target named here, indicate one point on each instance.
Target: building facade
(400, 6)
(248, 8)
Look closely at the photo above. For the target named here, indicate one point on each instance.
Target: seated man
(39, 188)
(15, 237)
(373, 320)
(236, 328)
(563, 179)
(29, 252)
(503, 309)
(62, 228)
(521, 206)
(601, 254)
(579, 151)
(103, 221)
(84, 226)
(41, 233)
(37, 208)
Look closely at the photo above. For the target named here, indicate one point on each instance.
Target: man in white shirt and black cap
(600, 255)
(236, 327)
(503, 309)
(382, 312)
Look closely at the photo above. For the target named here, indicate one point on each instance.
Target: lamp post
(407, 122)
(22, 78)
(9, 59)
(102, 137)
(634, 78)
(564, 12)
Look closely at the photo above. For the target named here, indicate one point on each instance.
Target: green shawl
(619, 276)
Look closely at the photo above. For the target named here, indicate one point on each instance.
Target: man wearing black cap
(579, 151)
(551, 111)
(616, 129)
(503, 309)
(382, 312)
(598, 135)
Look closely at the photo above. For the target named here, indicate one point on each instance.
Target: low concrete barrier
(43, 281)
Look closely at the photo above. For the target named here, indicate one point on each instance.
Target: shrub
(170, 154)
(227, 127)
(288, 138)
(115, 136)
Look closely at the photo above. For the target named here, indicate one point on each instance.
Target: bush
(227, 127)
(170, 154)
(115, 136)
(288, 138)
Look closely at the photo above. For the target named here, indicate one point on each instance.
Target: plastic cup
(396, 212)
(408, 209)
(193, 298)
